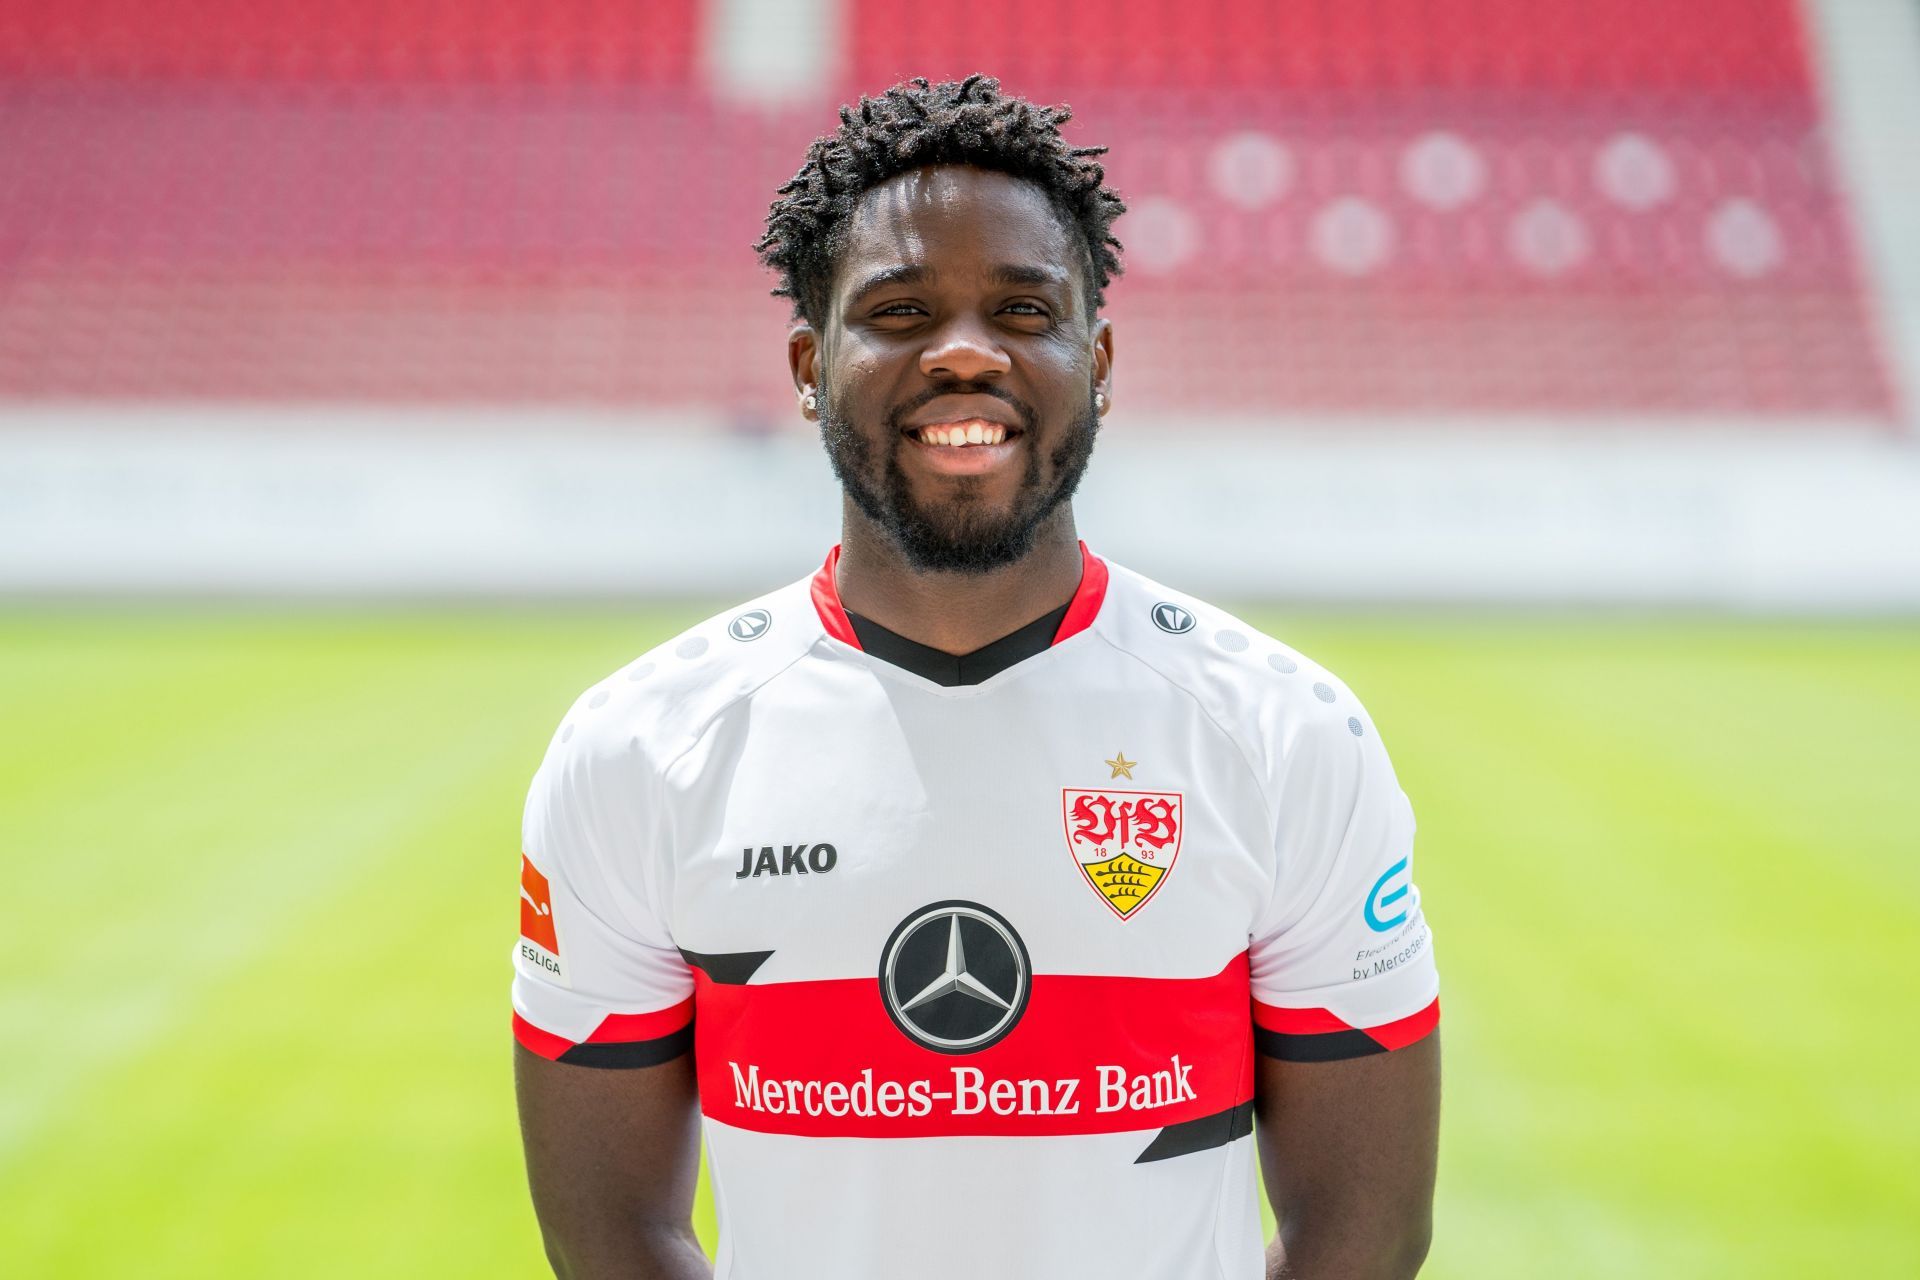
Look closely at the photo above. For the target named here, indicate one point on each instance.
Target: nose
(963, 350)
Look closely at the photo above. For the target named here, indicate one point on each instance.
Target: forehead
(953, 217)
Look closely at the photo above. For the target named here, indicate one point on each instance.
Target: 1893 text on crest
(1124, 842)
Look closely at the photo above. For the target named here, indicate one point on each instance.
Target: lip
(948, 409)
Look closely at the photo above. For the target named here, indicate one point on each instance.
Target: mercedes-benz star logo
(954, 977)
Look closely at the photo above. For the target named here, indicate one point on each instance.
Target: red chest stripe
(1089, 1055)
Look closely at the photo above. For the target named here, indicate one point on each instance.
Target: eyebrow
(920, 273)
(905, 273)
(1022, 273)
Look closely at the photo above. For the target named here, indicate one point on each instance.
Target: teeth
(957, 435)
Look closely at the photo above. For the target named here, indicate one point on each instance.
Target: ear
(1103, 363)
(803, 360)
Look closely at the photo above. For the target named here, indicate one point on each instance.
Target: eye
(1030, 308)
(898, 309)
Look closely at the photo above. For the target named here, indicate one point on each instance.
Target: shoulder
(1280, 706)
(653, 708)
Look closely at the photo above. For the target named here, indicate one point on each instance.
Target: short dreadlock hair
(969, 122)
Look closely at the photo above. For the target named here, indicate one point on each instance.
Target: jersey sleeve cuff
(1319, 1035)
(621, 1039)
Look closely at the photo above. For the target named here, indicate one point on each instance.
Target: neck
(955, 612)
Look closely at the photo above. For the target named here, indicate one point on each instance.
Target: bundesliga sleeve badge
(539, 943)
(1124, 842)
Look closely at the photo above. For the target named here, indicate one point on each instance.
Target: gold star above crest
(1121, 766)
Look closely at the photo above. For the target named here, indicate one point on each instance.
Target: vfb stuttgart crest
(1124, 842)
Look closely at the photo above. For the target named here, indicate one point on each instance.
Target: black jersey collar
(951, 669)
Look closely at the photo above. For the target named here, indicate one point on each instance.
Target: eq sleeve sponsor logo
(1372, 962)
(1389, 892)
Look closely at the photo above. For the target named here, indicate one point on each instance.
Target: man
(983, 896)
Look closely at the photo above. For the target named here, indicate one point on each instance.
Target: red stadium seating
(353, 41)
(1361, 47)
(1406, 207)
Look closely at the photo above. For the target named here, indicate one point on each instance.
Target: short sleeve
(1342, 960)
(597, 980)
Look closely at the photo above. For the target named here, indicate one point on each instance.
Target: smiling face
(956, 369)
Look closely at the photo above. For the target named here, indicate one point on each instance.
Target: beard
(958, 535)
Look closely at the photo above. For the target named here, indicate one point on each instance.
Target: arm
(1347, 1152)
(603, 1019)
(612, 1157)
(1345, 1010)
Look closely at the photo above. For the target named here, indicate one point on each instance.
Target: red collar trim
(826, 602)
(1087, 597)
(1081, 610)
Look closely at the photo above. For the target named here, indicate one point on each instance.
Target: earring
(811, 402)
(1099, 399)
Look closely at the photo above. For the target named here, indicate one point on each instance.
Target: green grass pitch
(260, 885)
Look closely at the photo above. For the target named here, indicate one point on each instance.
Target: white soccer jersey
(974, 974)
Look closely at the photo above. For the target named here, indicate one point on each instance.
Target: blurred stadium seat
(1413, 207)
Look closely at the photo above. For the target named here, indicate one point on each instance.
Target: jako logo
(1172, 619)
(750, 625)
(1379, 901)
(792, 860)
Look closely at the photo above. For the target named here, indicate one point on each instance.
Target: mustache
(897, 416)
